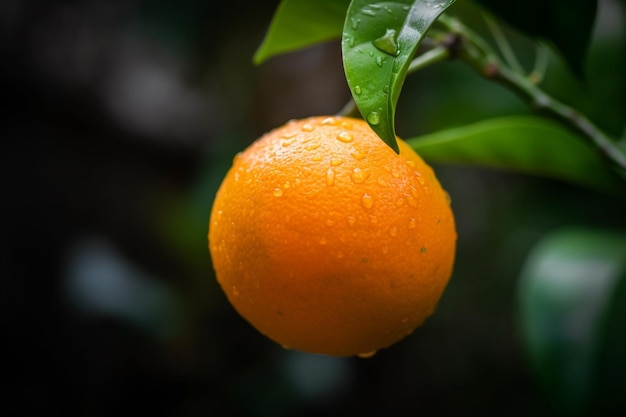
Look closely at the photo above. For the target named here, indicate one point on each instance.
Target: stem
(478, 55)
(541, 64)
(438, 53)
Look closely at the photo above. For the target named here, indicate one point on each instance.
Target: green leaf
(572, 295)
(566, 24)
(378, 42)
(526, 144)
(301, 23)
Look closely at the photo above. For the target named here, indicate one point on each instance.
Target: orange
(327, 241)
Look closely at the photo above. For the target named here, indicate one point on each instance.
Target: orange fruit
(327, 241)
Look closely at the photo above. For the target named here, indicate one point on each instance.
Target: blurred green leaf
(301, 23)
(379, 40)
(572, 292)
(526, 144)
(567, 25)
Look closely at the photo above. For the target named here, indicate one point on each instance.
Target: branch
(475, 52)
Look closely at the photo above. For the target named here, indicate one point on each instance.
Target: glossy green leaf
(567, 25)
(526, 144)
(572, 296)
(378, 43)
(301, 23)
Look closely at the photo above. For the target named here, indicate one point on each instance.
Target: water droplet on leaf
(373, 118)
(387, 43)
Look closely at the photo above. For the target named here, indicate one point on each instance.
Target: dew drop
(287, 184)
(316, 158)
(336, 161)
(381, 181)
(368, 12)
(344, 137)
(367, 201)
(355, 23)
(410, 163)
(358, 176)
(357, 155)
(307, 127)
(277, 192)
(331, 121)
(379, 61)
(313, 145)
(421, 180)
(288, 135)
(448, 199)
(235, 291)
(412, 201)
(288, 142)
(373, 118)
(357, 90)
(366, 355)
(386, 89)
(346, 125)
(330, 177)
(412, 224)
(387, 43)
(393, 231)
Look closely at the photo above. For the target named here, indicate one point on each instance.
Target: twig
(477, 54)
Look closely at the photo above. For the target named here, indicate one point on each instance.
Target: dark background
(119, 119)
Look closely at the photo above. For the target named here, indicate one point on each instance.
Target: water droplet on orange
(307, 127)
(277, 192)
(288, 142)
(330, 177)
(331, 121)
(336, 161)
(358, 176)
(344, 137)
(367, 201)
(313, 145)
(359, 156)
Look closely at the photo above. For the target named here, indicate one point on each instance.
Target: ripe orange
(329, 242)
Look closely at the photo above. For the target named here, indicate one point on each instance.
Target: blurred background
(120, 119)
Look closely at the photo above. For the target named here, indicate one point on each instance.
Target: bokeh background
(119, 120)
